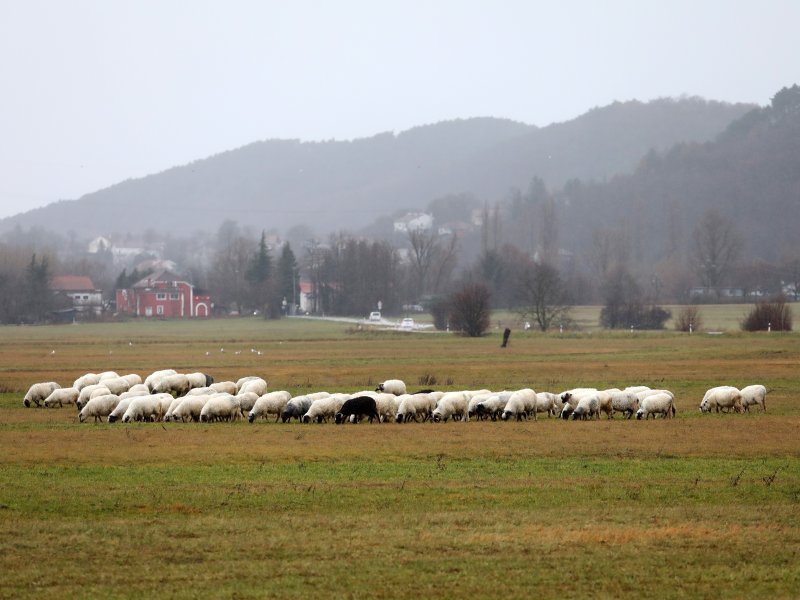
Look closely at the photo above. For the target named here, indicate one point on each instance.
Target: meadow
(701, 506)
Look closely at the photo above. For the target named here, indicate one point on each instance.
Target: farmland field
(701, 506)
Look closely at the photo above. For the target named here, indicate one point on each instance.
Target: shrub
(774, 313)
(689, 316)
(470, 310)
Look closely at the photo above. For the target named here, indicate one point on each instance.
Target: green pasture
(701, 506)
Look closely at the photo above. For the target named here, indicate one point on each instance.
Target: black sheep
(362, 406)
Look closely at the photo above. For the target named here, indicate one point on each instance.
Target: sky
(94, 92)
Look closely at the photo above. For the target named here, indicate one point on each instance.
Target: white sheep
(62, 396)
(86, 394)
(108, 375)
(116, 385)
(225, 387)
(494, 405)
(754, 395)
(86, 379)
(154, 377)
(661, 403)
(147, 408)
(247, 400)
(221, 407)
(474, 401)
(386, 404)
(520, 404)
(625, 402)
(296, 408)
(199, 380)
(116, 414)
(452, 405)
(257, 385)
(190, 407)
(546, 402)
(99, 407)
(415, 406)
(721, 397)
(325, 408)
(133, 379)
(271, 403)
(392, 386)
(176, 385)
(138, 388)
(588, 407)
(38, 392)
(172, 406)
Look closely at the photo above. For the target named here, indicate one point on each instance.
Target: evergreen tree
(288, 277)
(38, 296)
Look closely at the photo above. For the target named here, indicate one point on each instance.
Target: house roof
(163, 275)
(72, 283)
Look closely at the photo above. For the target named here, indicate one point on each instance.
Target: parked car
(375, 315)
(407, 324)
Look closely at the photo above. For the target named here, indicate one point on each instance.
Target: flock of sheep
(170, 396)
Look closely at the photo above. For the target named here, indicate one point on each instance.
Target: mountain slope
(347, 184)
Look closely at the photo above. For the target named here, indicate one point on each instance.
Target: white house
(413, 222)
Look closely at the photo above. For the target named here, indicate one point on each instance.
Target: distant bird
(259, 353)
(207, 353)
(222, 349)
(52, 351)
(238, 352)
(130, 343)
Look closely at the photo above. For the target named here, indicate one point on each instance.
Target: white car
(375, 315)
(407, 324)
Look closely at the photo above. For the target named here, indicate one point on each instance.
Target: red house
(164, 295)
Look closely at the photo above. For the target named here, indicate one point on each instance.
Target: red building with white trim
(163, 295)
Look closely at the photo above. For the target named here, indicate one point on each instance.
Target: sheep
(636, 388)
(660, 403)
(325, 408)
(414, 406)
(387, 405)
(116, 414)
(721, 397)
(154, 377)
(62, 396)
(754, 395)
(474, 400)
(520, 404)
(493, 406)
(147, 408)
(257, 385)
(116, 385)
(108, 375)
(296, 408)
(546, 403)
(176, 385)
(247, 400)
(99, 407)
(172, 406)
(138, 388)
(87, 379)
(225, 387)
(359, 407)
(625, 402)
(132, 379)
(242, 380)
(100, 390)
(588, 407)
(452, 404)
(199, 380)
(604, 402)
(392, 386)
(221, 407)
(272, 403)
(38, 392)
(189, 407)
(86, 394)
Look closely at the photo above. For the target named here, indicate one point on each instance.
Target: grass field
(702, 506)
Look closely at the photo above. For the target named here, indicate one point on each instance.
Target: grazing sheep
(546, 402)
(257, 385)
(625, 402)
(358, 407)
(392, 386)
(272, 403)
(474, 400)
(247, 400)
(62, 396)
(720, 398)
(520, 404)
(636, 388)
(132, 379)
(754, 395)
(38, 392)
(99, 407)
(154, 377)
(493, 406)
(108, 375)
(414, 406)
(116, 414)
(221, 407)
(325, 408)
(147, 408)
(172, 406)
(189, 407)
(100, 390)
(296, 408)
(199, 380)
(86, 394)
(588, 407)
(87, 379)
(387, 405)
(225, 387)
(661, 403)
(116, 385)
(452, 405)
(175, 385)
(139, 388)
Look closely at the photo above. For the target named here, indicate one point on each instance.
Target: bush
(470, 310)
(689, 316)
(769, 314)
(440, 310)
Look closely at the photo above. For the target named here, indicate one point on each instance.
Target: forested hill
(750, 174)
(348, 184)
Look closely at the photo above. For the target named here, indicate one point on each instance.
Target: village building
(163, 295)
(81, 298)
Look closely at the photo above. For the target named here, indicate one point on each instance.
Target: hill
(348, 184)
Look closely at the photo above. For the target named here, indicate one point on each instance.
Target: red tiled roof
(71, 283)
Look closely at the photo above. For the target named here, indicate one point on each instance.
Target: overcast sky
(97, 91)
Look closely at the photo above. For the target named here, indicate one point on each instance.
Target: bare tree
(542, 296)
(470, 309)
(432, 259)
(716, 246)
